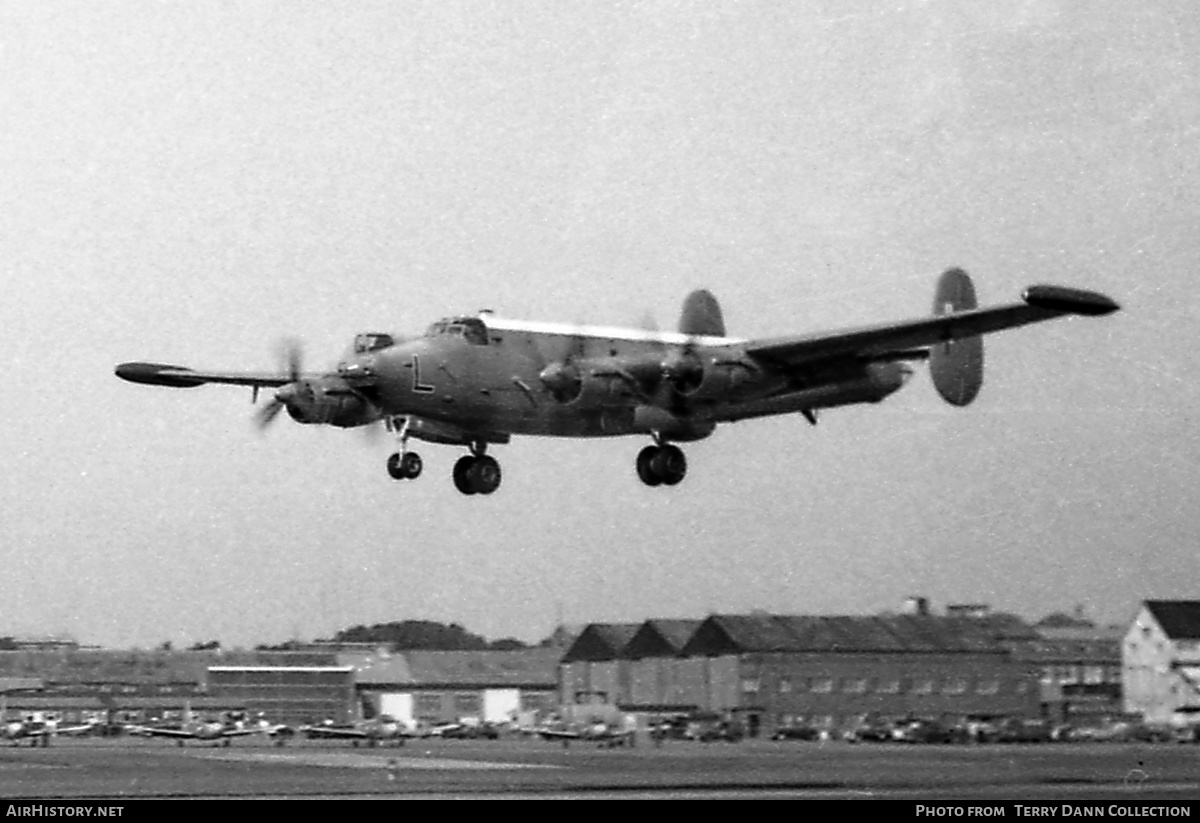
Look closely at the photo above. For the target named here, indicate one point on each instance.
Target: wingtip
(157, 374)
(1071, 301)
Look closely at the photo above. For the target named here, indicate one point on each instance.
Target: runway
(529, 768)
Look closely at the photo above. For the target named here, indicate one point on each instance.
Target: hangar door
(399, 706)
(501, 705)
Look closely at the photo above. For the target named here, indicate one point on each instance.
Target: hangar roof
(658, 638)
(601, 641)
(529, 668)
(734, 634)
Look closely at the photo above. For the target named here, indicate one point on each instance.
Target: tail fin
(956, 365)
(702, 315)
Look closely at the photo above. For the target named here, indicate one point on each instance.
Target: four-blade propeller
(287, 393)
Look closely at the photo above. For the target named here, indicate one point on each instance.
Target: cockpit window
(372, 341)
(474, 331)
(470, 329)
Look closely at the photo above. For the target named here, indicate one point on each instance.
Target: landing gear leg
(404, 465)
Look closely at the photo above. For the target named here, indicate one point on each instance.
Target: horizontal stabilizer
(1071, 301)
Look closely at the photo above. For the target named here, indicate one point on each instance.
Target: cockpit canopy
(471, 329)
(372, 341)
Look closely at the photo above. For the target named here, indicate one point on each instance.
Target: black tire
(485, 475)
(411, 464)
(395, 467)
(462, 474)
(646, 466)
(670, 464)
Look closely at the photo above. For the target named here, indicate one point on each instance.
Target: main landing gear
(475, 473)
(661, 464)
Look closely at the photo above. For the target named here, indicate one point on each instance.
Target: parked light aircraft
(209, 731)
(475, 381)
(37, 732)
(373, 732)
(602, 733)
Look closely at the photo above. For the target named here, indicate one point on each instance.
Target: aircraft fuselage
(501, 376)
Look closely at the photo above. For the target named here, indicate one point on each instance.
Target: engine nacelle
(715, 380)
(593, 383)
(329, 401)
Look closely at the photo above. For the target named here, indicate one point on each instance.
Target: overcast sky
(193, 182)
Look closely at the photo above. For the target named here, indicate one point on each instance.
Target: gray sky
(192, 182)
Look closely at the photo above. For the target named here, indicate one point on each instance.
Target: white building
(1161, 662)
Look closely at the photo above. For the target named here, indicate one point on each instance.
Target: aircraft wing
(334, 733)
(1040, 303)
(240, 732)
(154, 731)
(164, 374)
(72, 731)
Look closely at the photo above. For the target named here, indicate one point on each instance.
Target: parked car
(710, 728)
(797, 733)
(875, 730)
(930, 731)
(1022, 730)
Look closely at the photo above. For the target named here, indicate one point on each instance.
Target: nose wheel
(661, 465)
(477, 474)
(405, 466)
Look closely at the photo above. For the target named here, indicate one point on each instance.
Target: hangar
(431, 687)
(774, 671)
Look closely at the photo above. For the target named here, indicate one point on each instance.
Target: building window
(855, 686)
(888, 687)
(749, 685)
(1093, 674)
(955, 685)
(923, 687)
(822, 685)
(785, 685)
(988, 687)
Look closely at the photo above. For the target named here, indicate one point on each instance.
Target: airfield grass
(251, 768)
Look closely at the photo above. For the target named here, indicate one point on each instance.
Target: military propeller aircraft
(475, 381)
(192, 728)
(39, 733)
(376, 731)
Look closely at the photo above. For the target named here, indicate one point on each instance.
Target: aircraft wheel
(411, 464)
(670, 464)
(394, 468)
(645, 466)
(462, 474)
(485, 474)
(405, 466)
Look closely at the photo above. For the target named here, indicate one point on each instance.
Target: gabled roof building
(829, 671)
(1161, 661)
